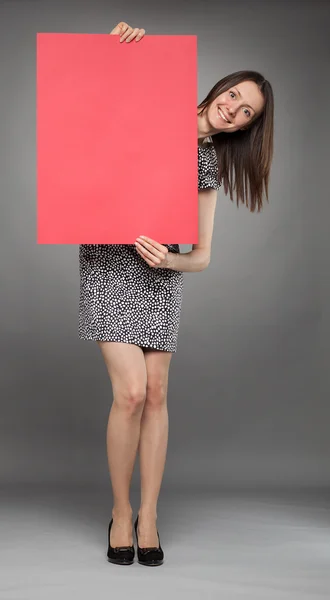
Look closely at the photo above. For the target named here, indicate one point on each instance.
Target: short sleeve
(207, 168)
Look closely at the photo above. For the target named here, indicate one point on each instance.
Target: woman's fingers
(131, 34)
(147, 254)
(115, 31)
(154, 253)
(150, 262)
(140, 35)
(156, 249)
(149, 242)
(118, 29)
(126, 30)
(128, 33)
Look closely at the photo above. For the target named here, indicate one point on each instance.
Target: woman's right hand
(127, 33)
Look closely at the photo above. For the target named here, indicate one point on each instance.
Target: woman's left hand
(155, 254)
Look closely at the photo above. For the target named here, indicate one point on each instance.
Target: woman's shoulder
(206, 148)
(207, 152)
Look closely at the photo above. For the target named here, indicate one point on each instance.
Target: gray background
(249, 386)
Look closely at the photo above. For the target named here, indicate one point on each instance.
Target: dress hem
(133, 341)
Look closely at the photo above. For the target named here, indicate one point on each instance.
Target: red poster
(116, 139)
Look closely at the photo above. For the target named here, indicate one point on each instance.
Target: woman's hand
(155, 254)
(127, 33)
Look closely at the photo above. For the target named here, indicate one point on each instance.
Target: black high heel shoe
(151, 557)
(120, 555)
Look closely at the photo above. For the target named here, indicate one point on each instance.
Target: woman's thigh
(157, 367)
(126, 367)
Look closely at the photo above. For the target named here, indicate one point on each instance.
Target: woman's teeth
(222, 115)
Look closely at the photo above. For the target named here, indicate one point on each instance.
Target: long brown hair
(245, 156)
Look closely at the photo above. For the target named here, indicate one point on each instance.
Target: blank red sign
(116, 139)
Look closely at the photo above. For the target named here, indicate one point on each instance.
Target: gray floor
(229, 545)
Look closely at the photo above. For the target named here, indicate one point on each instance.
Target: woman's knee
(127, 370)
(131, 398)
(156, 393)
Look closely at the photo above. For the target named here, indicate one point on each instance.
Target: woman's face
(236, 108)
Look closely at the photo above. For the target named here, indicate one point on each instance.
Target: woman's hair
(244, 157)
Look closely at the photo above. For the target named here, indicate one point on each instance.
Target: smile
(220, 113)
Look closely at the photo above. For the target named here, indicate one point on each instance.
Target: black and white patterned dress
(123, 299)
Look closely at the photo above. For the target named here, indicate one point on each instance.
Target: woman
(130, 299)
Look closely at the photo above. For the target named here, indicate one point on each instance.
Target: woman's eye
(232, 93)
(248, 112)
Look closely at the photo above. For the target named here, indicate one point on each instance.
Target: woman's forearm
(193, 261)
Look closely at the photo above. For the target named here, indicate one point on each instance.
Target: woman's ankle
(122, 512)
(147, 512)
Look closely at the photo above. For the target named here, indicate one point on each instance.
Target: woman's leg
(153, 443)
(127, 370)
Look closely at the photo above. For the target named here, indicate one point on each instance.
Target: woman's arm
(198, 259)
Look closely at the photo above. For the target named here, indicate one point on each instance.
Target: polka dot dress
(123, 299)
